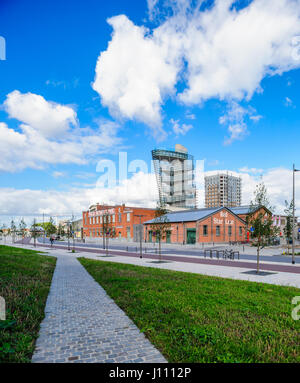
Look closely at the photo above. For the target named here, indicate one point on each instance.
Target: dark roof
(189, 215)
(241, 209)
(246, 209)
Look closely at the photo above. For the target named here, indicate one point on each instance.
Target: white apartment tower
(223, 190)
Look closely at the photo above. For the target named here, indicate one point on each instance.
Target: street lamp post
(293, 226)
(68, 235)
(141, 249)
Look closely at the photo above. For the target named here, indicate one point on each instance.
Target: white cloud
(235, 119)
(133, 74)
(227, 53)
(42, 142)
(245, 169)
(140, 190)
(288, 102)
(48, 118)
(179, 129)
(190, 116)
(58, 174)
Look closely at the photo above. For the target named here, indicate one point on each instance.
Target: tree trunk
(107, 245)
(159, 249)
(257, 271)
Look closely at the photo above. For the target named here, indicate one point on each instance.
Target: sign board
(251, 229)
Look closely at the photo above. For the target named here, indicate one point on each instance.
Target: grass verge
(25, 277)
(196, 318)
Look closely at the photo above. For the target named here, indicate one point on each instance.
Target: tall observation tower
(174, 170)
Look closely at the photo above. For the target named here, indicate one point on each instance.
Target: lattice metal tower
(174, 171)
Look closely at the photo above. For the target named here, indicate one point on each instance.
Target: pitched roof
(189, 215)
(246, 209)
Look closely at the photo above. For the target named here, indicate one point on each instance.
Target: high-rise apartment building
(174, 171)
(223, 190)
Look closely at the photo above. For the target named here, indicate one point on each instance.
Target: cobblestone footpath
(82, 323)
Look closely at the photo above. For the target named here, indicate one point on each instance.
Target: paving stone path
(82, 324)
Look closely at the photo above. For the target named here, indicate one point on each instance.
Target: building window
(205, 231)
(229, 231)
(113, 218)
(128, 217)
(120, 217)
(218, 231)
(240, 231)
(101, 219)
(109, 219)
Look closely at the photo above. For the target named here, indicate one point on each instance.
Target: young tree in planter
(160, 225)
(260, 222)
(13, 229)
(34, 231)
(288, 229)
(22, 227)
(107, 230)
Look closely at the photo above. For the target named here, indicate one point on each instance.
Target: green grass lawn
(196, 318)
(25, 279)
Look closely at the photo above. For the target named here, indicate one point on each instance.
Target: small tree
(107, 230)
(288, 229)
(13, 229)
(35, 230)
(22, 226)
(49, 227)
(260, 222)
(160, 225)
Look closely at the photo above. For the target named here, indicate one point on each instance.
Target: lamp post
(141, 249)
(68, 223)
(293, 226)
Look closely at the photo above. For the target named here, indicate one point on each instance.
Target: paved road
(190, 252)
(83, 324)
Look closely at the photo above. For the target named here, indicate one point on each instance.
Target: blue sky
(52, 48)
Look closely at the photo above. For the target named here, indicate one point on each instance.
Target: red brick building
(124, 220)
(202, 226)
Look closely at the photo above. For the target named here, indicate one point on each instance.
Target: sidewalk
(82, 324)
(276, 273)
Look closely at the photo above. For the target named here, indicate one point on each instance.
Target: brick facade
(124, 220)
(222, 226)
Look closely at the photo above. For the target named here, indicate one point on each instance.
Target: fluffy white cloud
(42, 142)
(235, 119)
(219, 52)
(133, 74)
(48, 118)
(140, 190)
(179, 129)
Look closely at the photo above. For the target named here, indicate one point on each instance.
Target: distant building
(126, 222)
(174, 170)
(215, 225)
(223, 190)
(281, 221)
